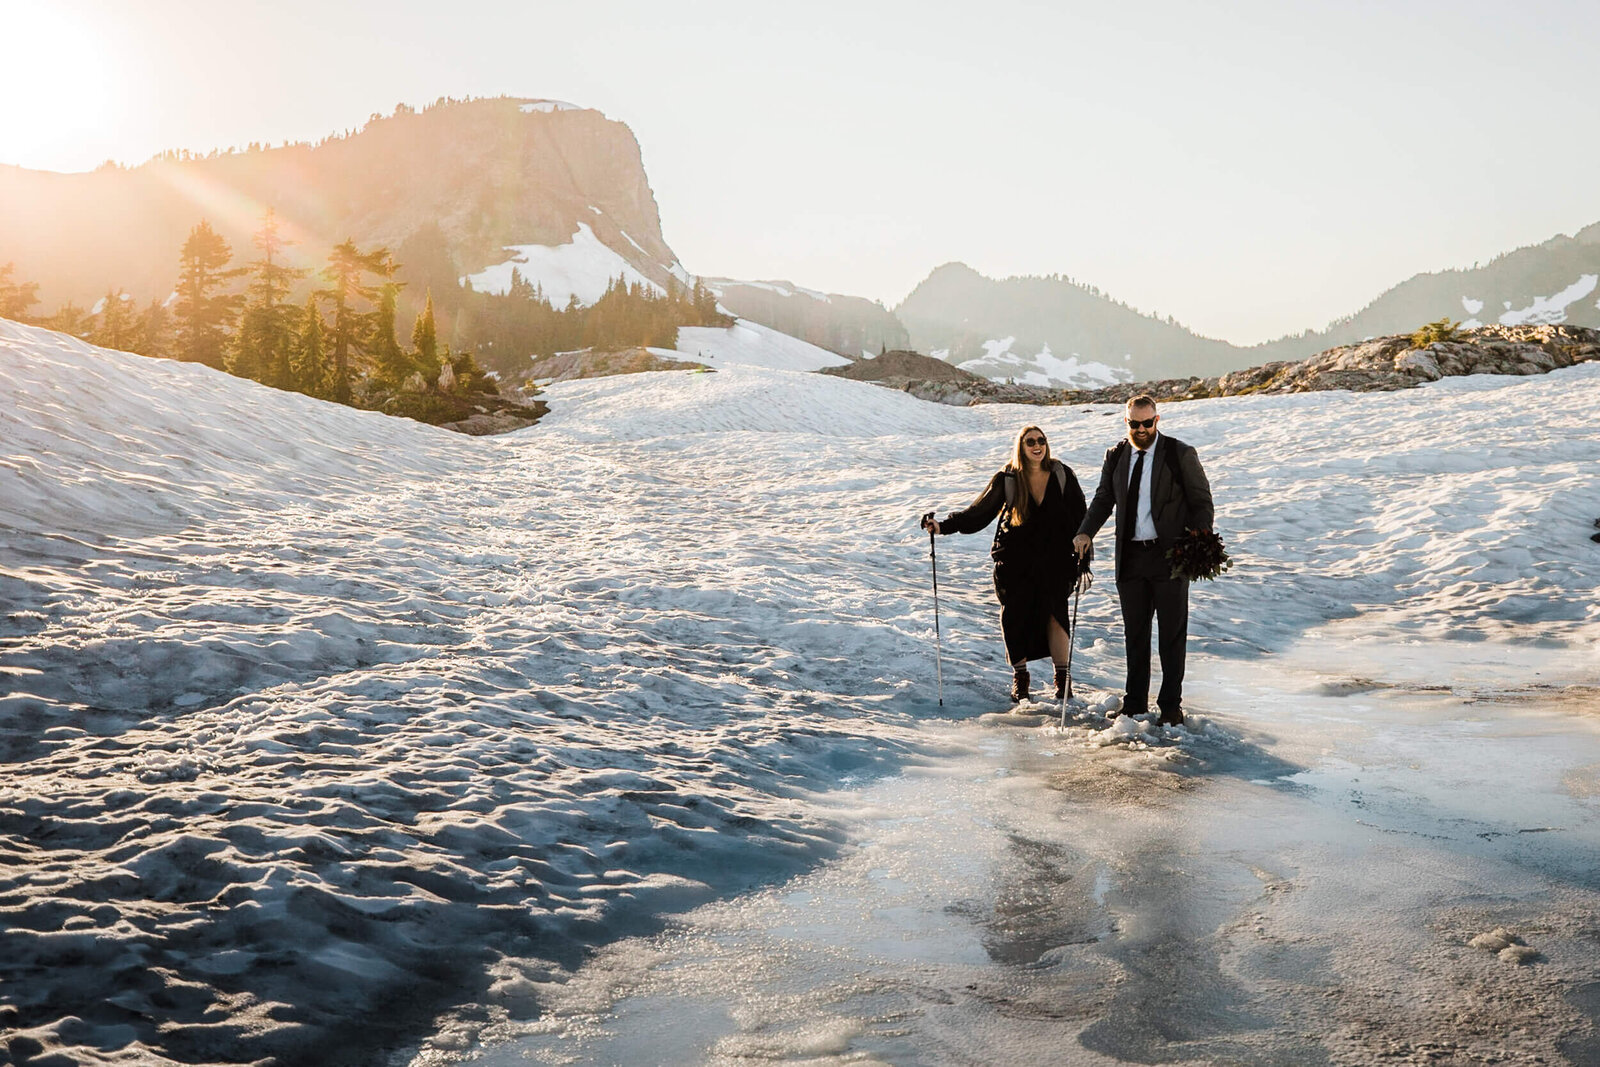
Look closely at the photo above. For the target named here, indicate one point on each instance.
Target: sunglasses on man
(1141, 424)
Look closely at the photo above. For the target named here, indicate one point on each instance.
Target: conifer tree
(309, 363)
(16, 297)
(70, 319)
(152, 334)
(346, 272)
(425, 339)
(114, 326)
(266, 329)
(202, 314)
(393, 364)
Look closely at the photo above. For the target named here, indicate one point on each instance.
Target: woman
(1035, 568)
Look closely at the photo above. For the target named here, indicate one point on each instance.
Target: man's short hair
(1143, 400)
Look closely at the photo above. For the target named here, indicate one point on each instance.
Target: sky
(1251, 168)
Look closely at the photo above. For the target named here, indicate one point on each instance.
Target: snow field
(307, 727)
(583, 267)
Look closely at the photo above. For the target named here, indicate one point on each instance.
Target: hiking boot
(1061, 682)
(1019, 685)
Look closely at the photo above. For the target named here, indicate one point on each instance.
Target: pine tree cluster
(512, 329)
(336, 336)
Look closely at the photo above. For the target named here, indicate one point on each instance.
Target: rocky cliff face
(458, 182)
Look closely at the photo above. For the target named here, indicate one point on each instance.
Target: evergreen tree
(394, 365)
(346, 271)
(425, 339)
(202, 313)
(267, 329)
(70, 319)
(115, 325)
(309, 363)
(16, 297)
(152, 335)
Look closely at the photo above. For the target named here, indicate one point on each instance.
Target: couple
(1044, 542)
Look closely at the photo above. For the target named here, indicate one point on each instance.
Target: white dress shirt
(1144, 523)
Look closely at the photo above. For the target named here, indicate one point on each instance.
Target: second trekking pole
(938, 649)
(1072, 639)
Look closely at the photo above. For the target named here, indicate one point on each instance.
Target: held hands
(1081, 543)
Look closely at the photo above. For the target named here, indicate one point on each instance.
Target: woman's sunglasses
(1034, 442)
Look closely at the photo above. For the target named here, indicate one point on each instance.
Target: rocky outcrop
(1381, 364)
(590, 363)
(935, 380)
(477, 413)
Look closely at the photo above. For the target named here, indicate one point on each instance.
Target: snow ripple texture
(310, 715)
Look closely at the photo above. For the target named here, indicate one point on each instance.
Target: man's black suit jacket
(1180, 495)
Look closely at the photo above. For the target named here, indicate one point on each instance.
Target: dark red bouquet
(1198, 556)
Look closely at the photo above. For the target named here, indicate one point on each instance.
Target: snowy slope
(751, 344)
(582, 268)
(1044, 367)
(317, 721)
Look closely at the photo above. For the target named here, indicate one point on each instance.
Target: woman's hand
(928, 523)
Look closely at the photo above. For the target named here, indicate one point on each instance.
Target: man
(1159, 491)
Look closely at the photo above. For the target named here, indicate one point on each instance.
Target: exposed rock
(475, 413)
(1381, 364)
(899, 366)
(1376, 365)
(935, 380)
(589, 363)
(484, 423)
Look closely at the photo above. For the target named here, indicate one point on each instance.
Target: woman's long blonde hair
(1022, 500)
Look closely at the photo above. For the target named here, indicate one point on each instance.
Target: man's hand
(1081, 543)
(928, 523)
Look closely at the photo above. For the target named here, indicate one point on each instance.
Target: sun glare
(58, 109)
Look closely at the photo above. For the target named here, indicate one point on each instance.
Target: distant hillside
(964, 316)
(1046, 330)
(1542, 284)
(849, 325)
(447, 189)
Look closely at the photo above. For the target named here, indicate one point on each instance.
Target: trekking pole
(938, 646)
(1072, 639)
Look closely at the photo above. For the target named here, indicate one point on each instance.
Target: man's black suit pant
(1149, 594)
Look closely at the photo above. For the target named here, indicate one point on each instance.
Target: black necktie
(1133, 493)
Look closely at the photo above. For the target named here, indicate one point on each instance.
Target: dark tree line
(340, 339)
(510, 329)
(340, 345)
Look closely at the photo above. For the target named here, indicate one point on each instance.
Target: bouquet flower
(1198, 556)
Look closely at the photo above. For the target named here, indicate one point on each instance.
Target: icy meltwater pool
(1296, 881)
